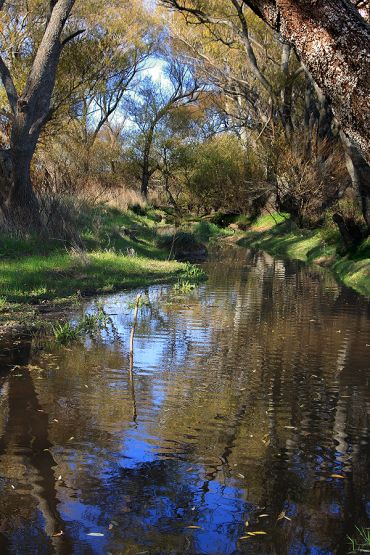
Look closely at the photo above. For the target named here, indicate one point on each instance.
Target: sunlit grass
(119, 250)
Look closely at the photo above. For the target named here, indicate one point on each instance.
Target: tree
(29, 112)
(152, 105)
(333, 41)
(219, 25)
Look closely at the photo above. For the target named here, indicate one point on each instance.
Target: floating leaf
(260, 533)
(245, 538)
(263, 516)
(246, 523)
(337, 476)
(195, 527)
(95, 534)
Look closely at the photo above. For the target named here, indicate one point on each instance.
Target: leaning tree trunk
(333, 41)
(359, 171)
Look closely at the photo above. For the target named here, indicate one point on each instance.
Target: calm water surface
(248, 413)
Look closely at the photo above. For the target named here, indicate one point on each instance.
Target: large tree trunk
(359, 171)
(30, 111)
(333, 41)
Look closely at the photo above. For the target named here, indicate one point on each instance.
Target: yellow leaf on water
(247, 523)
(195, 527)
(245, 538)
(337, 476)
(260, 533)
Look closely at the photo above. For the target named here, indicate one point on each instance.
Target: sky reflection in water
(250, 394)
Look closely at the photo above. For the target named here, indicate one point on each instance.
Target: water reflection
(250, 396)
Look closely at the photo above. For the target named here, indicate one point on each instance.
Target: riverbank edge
(39, 281)
(27, 319)
(313, 247)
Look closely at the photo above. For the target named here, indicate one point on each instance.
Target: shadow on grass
(284, 239)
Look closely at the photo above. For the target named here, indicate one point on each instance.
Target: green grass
(361, 542)
(320, 246)
(206, 231)
(89, 325)
(119, 250)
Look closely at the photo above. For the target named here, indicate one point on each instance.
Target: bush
(204, 231)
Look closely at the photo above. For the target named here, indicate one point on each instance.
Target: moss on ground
(320, 246)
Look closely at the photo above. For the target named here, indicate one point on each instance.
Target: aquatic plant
(140, 302)
(192, 272)
(361, 542)
(90, 324)
(65, 333)
(183, 287)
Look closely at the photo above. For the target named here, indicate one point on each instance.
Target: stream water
(248, 412)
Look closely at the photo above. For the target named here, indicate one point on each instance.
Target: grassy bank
(114, 250)
(277, 235)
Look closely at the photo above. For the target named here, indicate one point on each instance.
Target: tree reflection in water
(251, 393)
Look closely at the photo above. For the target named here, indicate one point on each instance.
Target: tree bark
(30, 112)
(146, 172)
(359, 171)
(333, 41)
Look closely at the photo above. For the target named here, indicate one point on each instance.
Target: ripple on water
(248, 403)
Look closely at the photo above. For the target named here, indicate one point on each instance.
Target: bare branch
(72, 36)
(9, 86)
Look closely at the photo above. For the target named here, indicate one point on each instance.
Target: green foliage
(183, 287)
(144, 301)
(361, 542)
(65, 333)
(192, 272)
(205, 231)
(89, 325)
(218, 171)
(267, 221)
